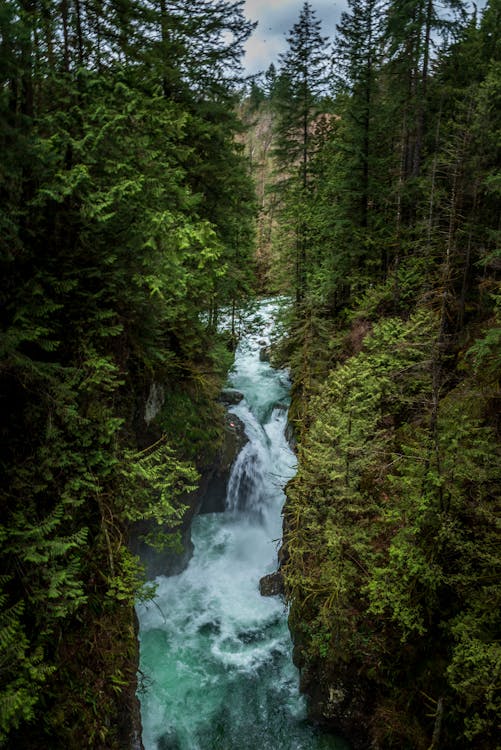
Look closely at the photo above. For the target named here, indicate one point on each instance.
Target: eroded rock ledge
(337, 701)
(272, 584)
(209, 497)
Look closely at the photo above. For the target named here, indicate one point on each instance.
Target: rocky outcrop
(209, 497)
(337, 701)
(154, 402)
(272, 584)
(265, 354)
(129, 726)
(214, 496)
(230, 396)
(290, 436)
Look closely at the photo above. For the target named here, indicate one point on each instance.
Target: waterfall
(215, 655)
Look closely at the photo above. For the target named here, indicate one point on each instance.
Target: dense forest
(145, 188)
(378, 170)
(126, 218)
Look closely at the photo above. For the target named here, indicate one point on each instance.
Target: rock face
(214, 496)
(337, 701)
(265, 353)
(129, 719)
(209, 497)
(230, 396)
(272, 584)
(291, 437)
(154, 402)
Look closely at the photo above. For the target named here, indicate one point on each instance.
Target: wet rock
(210, 628)
(250, 637)
(337, 701)
(230, 396)
(170, 559)
(136, 742)
(234, 440)
(154, 402)
(129, 727)
(290, 437)
(265, 354)
(214, 496)
(272, 584)
(209, 497)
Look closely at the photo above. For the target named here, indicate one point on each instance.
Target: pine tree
(119, 229)
(301, 87)
(358, 54)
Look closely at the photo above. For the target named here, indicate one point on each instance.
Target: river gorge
(215, 654)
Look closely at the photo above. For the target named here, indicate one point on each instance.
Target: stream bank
(217, 655)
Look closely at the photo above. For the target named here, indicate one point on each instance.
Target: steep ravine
(216, 656)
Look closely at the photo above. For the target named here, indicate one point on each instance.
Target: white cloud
(276, 18)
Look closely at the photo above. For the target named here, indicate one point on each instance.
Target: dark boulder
(272, 584)
(265, 354)
(214, 496)
(209, 497)
(338, 701)
(290, 436)
(230, 396)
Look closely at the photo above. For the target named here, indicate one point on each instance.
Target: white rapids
(215, 654)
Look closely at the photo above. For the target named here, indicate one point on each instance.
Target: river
(215, 654)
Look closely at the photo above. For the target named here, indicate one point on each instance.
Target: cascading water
(215, 653)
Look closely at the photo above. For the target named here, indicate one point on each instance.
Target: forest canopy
(381, 202)
(126, 223)
(145, 187)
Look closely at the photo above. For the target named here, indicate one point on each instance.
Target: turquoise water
(216, 655)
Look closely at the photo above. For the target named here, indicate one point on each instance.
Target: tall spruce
(361, 240)
(357, 56)
(111, 250)
(390, 558)
(414, 28)
(303, 78)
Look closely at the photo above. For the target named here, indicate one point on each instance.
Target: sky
(276, 18)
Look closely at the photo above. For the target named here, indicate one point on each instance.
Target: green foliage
(20, 669)
(126, 215)
(388, 235)
(474, 667)
(297, 100)
(485, 353)
(345, 448)
(158, 477)
(391, 559)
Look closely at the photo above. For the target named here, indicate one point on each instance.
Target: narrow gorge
(215, 654)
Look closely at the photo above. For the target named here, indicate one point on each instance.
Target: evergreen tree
(356, 186)
(413, 29)
(390, 523)
(200, 46)
(122, 217)
(302, 86)
(270, 80)
(358, 54)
